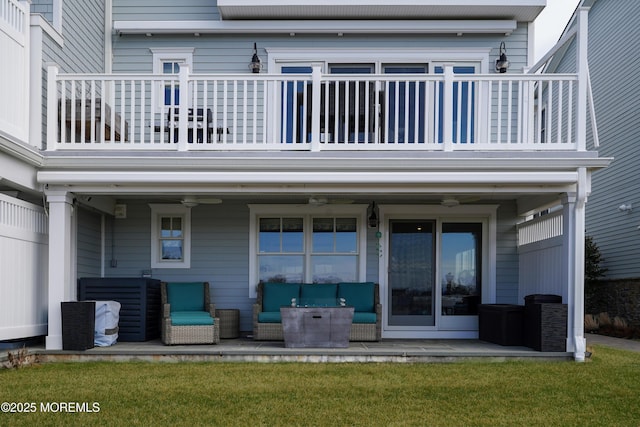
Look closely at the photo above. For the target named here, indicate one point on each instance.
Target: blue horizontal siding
(231, 53)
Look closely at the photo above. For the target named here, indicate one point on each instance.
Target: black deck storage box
(78, 324)
(139, 297)
(542, 299)
(501, 323)
(545, 322)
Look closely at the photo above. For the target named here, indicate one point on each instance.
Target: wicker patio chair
(188, 316)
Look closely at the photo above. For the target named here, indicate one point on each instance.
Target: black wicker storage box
(140, 304)
(501, 323)
(542, 298)
(78, 324)
(545, 324)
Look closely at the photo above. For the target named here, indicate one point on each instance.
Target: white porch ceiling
(520, 10)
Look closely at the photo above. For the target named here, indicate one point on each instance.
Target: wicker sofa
(364, 297)
(188, 317)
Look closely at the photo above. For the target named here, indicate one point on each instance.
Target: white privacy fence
(14, 69)
(540, 249)
(23, 263)
(312, 111)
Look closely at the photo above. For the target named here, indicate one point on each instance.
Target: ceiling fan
(321, 201)
(453, 201)
(191, 201)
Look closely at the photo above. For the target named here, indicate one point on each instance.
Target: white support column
(573, 264)
(60, 286)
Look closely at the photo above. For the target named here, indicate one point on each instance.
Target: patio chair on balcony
(188, 316)
(90, 121)
(198, 123)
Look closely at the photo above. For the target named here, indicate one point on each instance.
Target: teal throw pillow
(358, 295)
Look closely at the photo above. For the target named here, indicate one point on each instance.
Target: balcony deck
(314, 112)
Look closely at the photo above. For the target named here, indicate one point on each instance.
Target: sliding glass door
(411, 274)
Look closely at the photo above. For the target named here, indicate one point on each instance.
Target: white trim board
(457, 27)
(369, 55)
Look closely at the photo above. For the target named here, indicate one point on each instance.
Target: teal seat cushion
(191, 318)
(358, 295)
(186, 296)
(276, 295)
(269, 317)
(364, 318)
(321, 294)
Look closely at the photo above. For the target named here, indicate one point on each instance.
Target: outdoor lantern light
(373, 218)
(502, 63)
(255, 66)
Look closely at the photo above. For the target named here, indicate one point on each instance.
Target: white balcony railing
(14, 69)
(316, 111)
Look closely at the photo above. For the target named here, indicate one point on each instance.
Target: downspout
(577, 333)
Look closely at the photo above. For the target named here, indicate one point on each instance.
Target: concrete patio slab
(248, 350)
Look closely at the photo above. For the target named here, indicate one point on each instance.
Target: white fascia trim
(461, 3)
(310, 178)
(47, 28)
(317, 27)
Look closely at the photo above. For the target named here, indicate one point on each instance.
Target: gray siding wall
(89, 243)
(507, 281)
(614, 33)
(220, 252)
(84, 38)
(165, 10)
(44, 8)
(232, 53)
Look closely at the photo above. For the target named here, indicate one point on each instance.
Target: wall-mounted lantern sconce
(373, 218)
(627, 207)
(502, 63)
(255, 66)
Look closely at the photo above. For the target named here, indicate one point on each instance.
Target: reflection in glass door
(411, 273)
(461, 268)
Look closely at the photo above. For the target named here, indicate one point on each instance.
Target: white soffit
(317, 27)
(520, 10)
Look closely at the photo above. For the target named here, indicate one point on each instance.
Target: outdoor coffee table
(324, 327)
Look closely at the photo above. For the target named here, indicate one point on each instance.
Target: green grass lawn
(604, 391)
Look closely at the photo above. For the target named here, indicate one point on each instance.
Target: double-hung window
(168, 61)
(170, 236)
(307, 244)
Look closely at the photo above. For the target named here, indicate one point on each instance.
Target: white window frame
(157, 212)
(296, 56)
(478, 57)
(445, 326)
(182, 55)
(306, 212)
